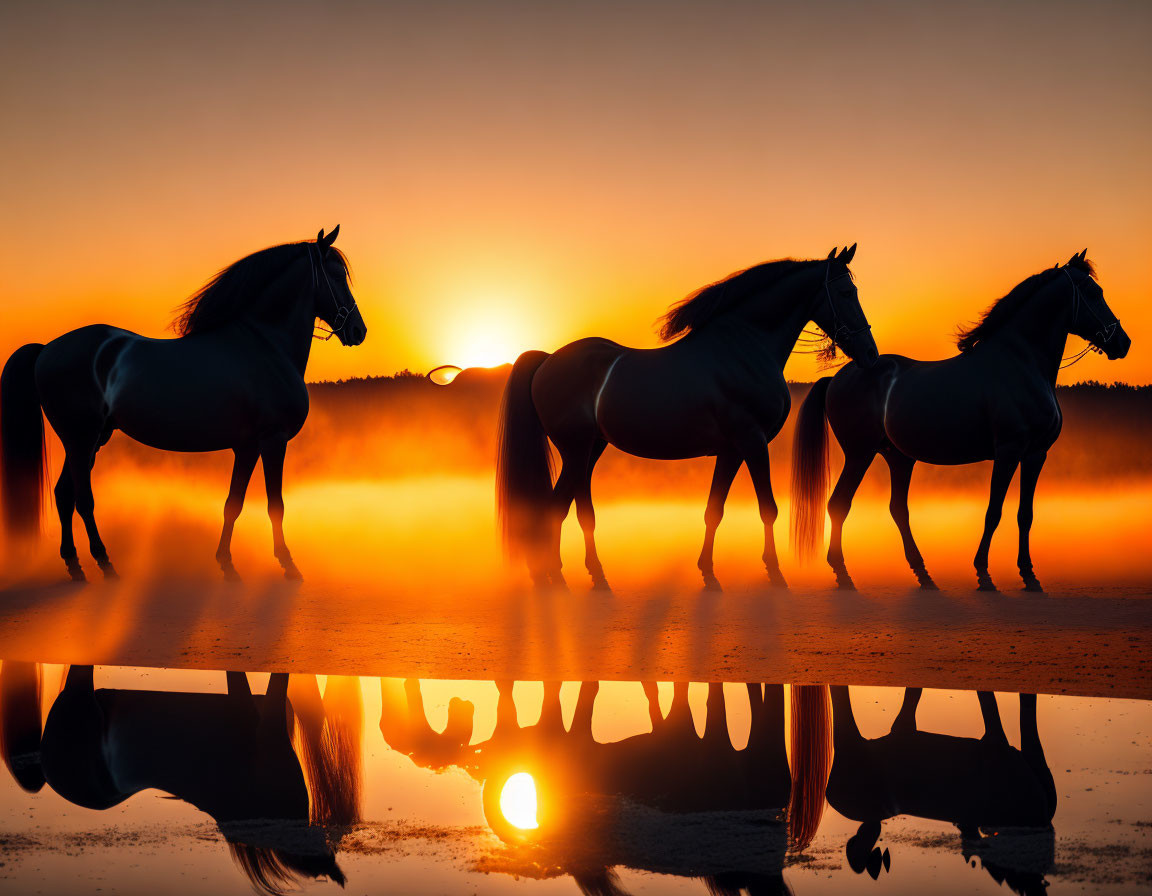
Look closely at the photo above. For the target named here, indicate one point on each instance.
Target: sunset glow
(513, 196)
(475, 341)
(539, 448)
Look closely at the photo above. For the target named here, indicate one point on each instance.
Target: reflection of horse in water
(234, 379)
(994, 401)
(229, 755)
(669, 801)
(20, 723)
(719, 392)
(1002, 799)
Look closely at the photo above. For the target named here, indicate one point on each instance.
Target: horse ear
(1075, 258)
(325, 242)
(1084, 254)
(832, 254)
(848, 254)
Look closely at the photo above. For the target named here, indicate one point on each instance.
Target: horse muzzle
(1117, 347)
(354, 331)
(866, 353)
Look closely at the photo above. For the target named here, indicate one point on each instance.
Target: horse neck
(775, 331)
(290, 332)
(1037, 335)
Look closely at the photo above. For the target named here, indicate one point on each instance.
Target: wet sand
(1088, 643)
(405, 578)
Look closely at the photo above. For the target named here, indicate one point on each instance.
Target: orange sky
(516, 175)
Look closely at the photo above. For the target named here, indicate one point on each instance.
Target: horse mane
(1000, 311)
(709, 302)
(233, 290)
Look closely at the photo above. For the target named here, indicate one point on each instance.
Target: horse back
(568, 387)
(71, 369)
(962, 780)
(959, 410)
(688, 399)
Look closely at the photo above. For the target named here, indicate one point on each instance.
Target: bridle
(343, 314)
(840, 330)
(1107, 330)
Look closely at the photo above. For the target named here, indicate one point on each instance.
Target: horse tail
(23, 459)
(810, 475)
(811, 748)
(523, 461)
(20, 723)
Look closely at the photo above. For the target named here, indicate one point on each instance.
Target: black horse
(719, 392)
(229, 755)
(995, 401)
(234, 379)
(1001, 798)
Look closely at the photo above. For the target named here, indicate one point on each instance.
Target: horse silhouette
(668, 801)
(995, 401)
(719, 391)
(229, 755)
(233, 379)
(1001, 799)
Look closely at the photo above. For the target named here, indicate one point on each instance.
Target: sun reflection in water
(518, 801)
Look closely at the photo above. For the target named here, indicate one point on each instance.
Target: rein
(342, 313)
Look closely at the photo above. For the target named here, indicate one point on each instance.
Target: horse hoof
(928, 585)
(845, 583)
(601, 585)
(230, 574)
(1033, 586)
(291, 572)
(109, 571)
(76, 573)
(712, 585)
(986, 586)
(778, 584)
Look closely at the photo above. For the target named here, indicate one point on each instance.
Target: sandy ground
(396, 586)
(1092, 645)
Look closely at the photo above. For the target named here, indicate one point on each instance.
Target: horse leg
(756, 457)
(727, 466)
(586, 515)
(900, 467)
(242, 465)
(845, 732)
(1033, 751)
(993, 726)
(551, 712)
(272, 459)
(1030, 468)
(652, 697)
(65, 492)
(855, 466)
(1002, 469)
(585, 707)
(79, 461)
(274, 713)
(563, 493)
(715, 714)
(905, 721)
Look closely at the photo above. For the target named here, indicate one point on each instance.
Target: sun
(518, 801)
(487, 341)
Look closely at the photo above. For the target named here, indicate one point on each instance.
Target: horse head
(838, 312)
(1092, 319)
(335, 304)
